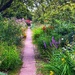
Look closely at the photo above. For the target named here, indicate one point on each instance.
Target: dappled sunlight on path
(28, 67)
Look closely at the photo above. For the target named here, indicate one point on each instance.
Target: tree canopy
(26, 8)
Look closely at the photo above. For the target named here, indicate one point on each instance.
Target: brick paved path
(28, 67)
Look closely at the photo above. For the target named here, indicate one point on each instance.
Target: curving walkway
(28, 67)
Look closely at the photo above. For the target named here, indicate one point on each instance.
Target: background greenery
(53, 33)
(10, 40)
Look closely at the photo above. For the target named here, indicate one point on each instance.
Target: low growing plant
(60, 63)
(9, 58)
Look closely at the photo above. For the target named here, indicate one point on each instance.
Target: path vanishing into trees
(28, 67)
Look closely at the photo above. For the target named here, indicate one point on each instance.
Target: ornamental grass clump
(10, 34)
(61, 63)
(9, 57)
(37, 33)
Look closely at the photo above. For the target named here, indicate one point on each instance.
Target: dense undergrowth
(10, 42)
(56, 41)
(57, 46)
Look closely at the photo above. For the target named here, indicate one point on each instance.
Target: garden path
(28, 67)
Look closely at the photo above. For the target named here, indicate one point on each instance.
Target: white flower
(64, 48)
(62, 38)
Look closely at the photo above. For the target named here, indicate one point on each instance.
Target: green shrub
(43, 41)
(37, 32)
(10, 32)
(60, 63)
(9, 58)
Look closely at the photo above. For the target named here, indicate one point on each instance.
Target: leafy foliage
(9, 58)
(10, 34)
(21, 12)
(61, 18)
(60, 63)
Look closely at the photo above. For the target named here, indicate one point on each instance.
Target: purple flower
(56, 45)
(44, 43)
(22, 19)
(50, 44)
(53, 40)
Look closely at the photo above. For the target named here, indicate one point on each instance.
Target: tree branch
(7, 5)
